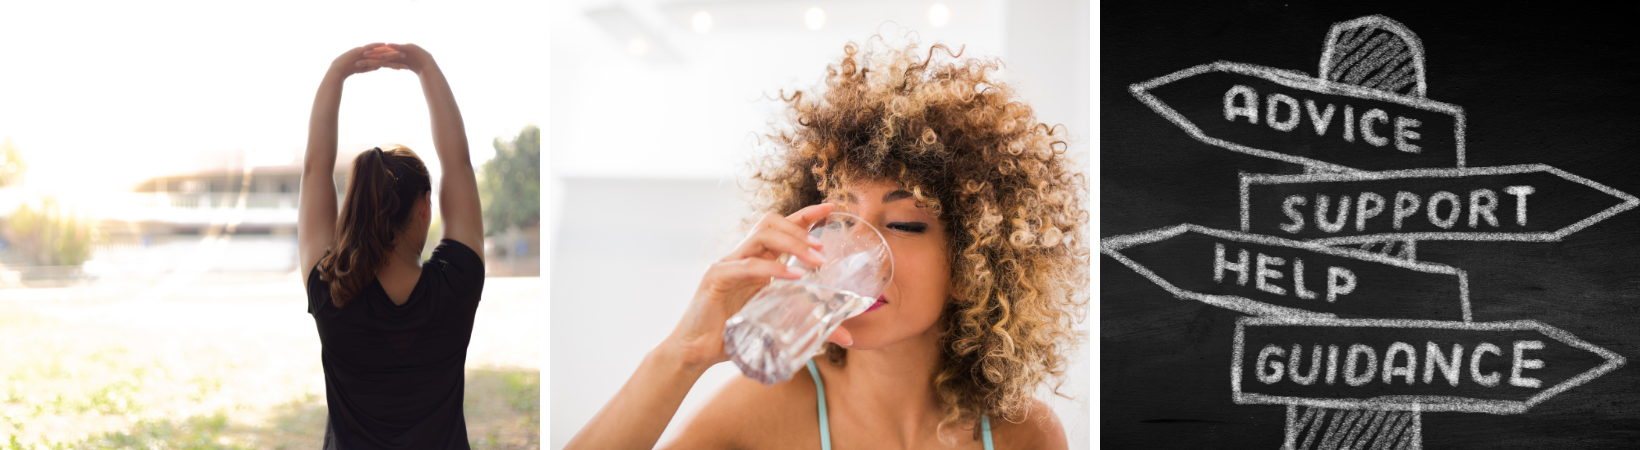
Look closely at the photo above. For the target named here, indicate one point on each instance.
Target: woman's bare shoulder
(746, 414)
(1039, 429)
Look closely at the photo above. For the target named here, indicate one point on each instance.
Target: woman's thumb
(841, 337)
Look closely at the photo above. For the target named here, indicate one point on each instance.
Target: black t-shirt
(394, 374)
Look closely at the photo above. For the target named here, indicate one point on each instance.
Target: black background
(1546, 82)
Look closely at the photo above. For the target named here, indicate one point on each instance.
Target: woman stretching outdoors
(394, 331)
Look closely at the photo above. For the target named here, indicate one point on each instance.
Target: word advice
(1281, 112)
(1264, 270)
(1371, 211)
(1400, 363)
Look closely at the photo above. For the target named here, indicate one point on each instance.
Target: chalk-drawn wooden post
(1376, 52)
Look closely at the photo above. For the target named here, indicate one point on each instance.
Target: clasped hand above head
(378, 55)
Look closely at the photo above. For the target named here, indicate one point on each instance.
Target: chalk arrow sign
(1531, 202)
(1293, 117)
(1409, 365)
(1270, 276)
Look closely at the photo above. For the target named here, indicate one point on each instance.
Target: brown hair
(959, 141)
(381, 194)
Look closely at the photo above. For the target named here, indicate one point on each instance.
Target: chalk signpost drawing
(1374, 376)
(1271, 276)
(1409, 365)
(1284, 115)
(1508, 203)
(1363, 342)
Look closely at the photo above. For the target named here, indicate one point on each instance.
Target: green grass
(200, 432)
(59, 390)
(204, 387)
(502, 409)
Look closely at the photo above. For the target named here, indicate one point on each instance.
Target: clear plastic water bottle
(784, 325)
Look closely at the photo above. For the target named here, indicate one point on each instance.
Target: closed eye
(909, 227)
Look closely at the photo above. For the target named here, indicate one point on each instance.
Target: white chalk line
(1414, 436)
(1386, 65)
(1420, 402)
(1246, 196)
(1380, 52)
(1628, 201)
(1296, 80)
(1191, 129)
(1239, 304)
(1327, 427)
(1117, 243)
(1463, 289)
(1402, 421)
(1460, 126)
(1315, 426)
(1235, 362)
(1365, 25)
(1362, 420)
(1379, 427)
(1371, 430)
(1341, 422)
(1287, 442)
(1112, 247)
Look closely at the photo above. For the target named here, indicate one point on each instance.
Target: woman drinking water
(981, 210)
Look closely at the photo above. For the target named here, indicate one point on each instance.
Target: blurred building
(261, 200)
(221, 211)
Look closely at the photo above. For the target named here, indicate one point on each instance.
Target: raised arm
(316, 211)
(458, 190)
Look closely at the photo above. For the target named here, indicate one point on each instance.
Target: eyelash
(912, 227)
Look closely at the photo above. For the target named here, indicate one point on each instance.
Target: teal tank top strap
(825, 425)
(985, 426)
(825, 428)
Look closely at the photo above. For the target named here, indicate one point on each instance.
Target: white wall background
(648, 141)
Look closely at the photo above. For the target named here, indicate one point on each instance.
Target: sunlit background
(149, 294)
(655, 109)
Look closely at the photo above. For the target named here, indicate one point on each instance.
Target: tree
(509, 185)
(12, 165)
(49, 236)
(42, 231)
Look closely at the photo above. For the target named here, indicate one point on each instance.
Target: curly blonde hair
(999, 181)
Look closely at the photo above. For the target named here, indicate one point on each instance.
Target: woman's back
(394, 374)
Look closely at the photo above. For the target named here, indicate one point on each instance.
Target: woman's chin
(863, 335)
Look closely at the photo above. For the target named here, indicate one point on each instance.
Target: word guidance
(1293, 117)
(1409, 365)
(1263, 275)
(1508, 203)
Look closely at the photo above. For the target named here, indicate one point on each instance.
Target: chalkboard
(1369, 226)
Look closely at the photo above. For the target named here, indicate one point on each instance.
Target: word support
(1531, 202)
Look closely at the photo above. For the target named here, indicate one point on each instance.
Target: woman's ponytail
(381, 193)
